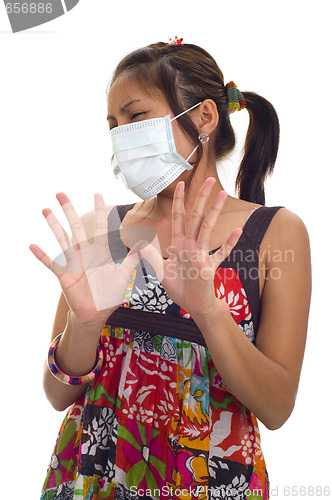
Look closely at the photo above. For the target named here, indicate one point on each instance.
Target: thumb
(224, 251)
(153, 255)
(132, 259)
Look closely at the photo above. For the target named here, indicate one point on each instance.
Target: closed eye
(132, 117)
(135, 115)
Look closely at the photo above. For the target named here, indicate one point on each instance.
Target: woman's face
(128, 103)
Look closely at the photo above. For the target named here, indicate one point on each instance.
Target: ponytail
(260, 150)
(186, 74)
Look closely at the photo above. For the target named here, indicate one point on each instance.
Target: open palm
(91, 282)
(188, 274)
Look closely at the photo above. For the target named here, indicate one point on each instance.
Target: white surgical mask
(145, 156)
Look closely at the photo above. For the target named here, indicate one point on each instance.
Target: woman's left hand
(188, 274)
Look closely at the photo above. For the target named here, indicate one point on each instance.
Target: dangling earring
(203, 138)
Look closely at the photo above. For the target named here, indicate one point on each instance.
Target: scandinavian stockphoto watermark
(139, 248)
(23, 15)
(246, 262)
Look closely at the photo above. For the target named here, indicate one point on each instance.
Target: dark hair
(188, 74)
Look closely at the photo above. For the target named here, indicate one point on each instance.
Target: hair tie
(175, 41)
(235, 98)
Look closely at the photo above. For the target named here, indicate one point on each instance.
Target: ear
(207, 118)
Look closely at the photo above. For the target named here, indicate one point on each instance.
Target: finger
(132, 259)
(129, 263)
(58, 231)
(198, 209)
(220, 255)
(42, 256)
(101, 229)
(74, 220)
(178, 225)
(209, 220)
(154, 257)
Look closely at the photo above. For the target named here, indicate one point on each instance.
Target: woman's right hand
(93, 285)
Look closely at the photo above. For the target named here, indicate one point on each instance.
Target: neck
(162, 205)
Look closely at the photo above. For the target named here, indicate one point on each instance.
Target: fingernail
(46, 212)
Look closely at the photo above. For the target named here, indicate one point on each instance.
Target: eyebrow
(124, 108)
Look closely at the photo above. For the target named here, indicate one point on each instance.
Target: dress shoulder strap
(123, 209)
(116, 215)
(258, 222)
(245, 256)
(114, 219)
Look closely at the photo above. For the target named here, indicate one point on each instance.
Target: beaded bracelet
(68, 379)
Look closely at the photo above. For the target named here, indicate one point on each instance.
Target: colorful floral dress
(159, 422)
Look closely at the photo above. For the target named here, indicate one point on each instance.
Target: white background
(53, 134)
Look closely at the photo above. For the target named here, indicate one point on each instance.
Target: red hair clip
(176, 41)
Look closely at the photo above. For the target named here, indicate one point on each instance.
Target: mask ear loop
(186, 111)
(178, 116)
(192, 153)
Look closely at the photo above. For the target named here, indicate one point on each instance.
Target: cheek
(184, 144)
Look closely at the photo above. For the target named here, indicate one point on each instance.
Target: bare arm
(265, 376)
(75, 355)
(93, 288)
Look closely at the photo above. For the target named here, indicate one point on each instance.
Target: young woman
(198, 333)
